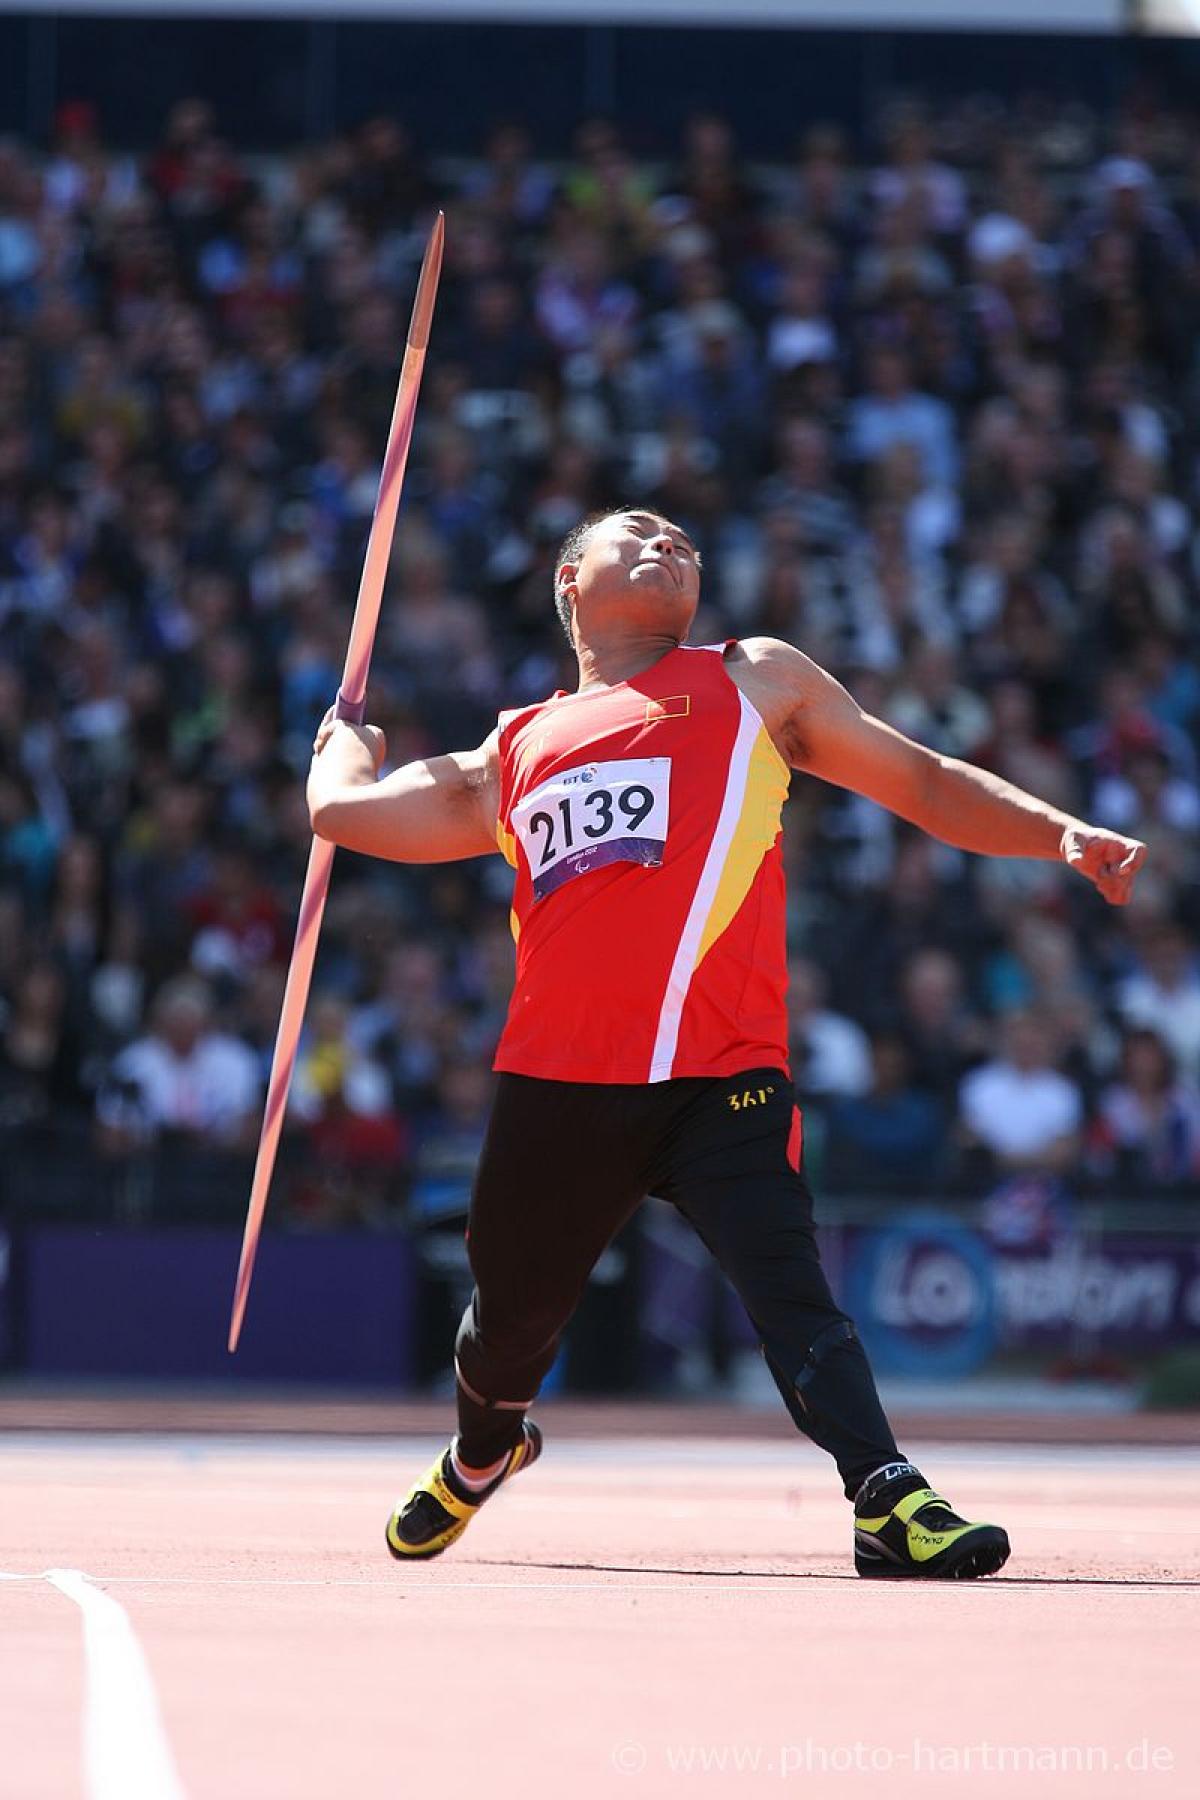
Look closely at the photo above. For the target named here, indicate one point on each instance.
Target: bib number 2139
(597, 814)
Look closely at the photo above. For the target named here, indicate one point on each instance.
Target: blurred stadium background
(901, 324)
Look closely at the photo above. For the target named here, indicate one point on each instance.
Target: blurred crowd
(928, 405)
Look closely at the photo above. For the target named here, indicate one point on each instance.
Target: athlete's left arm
(823, 731)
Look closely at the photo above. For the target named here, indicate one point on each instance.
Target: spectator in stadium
(891, 1137)
(1163, 992)
(830, 1053)
(942, 1035)
(447, 1142)
(930, 420)
(185, 1078)
(1147, 1129)
(892, 411)
(578, 292)
(42, 1074)
(1017, 1109)
(235, 917)
(913, 173)
(931, 704)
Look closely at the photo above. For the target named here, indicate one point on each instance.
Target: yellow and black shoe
(902, 1528)
(436, 1510)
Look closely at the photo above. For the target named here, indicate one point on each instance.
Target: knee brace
(467, 1351)
(801, 1392)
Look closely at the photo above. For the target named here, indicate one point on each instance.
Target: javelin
(351, 705)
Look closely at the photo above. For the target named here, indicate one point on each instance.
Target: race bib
(600, 813)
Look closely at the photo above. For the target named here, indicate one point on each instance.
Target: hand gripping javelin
(351, 705)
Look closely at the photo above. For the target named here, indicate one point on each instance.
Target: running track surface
(630, 1618)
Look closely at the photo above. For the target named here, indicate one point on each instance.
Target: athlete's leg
(731, 1166)
(561, 1171)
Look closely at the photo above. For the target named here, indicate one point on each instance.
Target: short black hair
(570, 551)
(573, 546)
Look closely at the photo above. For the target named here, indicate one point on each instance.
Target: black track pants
(563, 1167)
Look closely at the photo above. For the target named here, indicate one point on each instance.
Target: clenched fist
(1110, 862)
(369, 735)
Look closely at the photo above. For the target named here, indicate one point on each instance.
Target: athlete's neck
(607, 661)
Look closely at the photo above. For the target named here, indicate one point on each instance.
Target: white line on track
(394, 1584)
(711, 1583)
(126, 1755)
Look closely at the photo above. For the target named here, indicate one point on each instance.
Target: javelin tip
(427, 285)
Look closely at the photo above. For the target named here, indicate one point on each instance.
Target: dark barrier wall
(932, 1295)
(279, 82)
(332, 1309)
(8, 1346)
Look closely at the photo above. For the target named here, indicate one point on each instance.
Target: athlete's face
(637, 568)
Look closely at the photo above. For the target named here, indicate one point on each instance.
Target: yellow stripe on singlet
(767, 778)
(726, 876)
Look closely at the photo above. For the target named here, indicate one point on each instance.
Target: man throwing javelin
(645, 1050)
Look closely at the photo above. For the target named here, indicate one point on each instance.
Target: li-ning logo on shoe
(893, 1472)
(928, 1541)
(748, 1097)
(882, 1478)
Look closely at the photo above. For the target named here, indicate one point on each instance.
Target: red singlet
(643, 822)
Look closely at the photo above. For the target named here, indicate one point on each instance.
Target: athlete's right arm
(438, 809)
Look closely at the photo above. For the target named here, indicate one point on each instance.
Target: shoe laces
(937, 1514)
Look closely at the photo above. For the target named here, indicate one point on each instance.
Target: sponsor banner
(1132, 1292)
(922, 1296)
(933, 1296)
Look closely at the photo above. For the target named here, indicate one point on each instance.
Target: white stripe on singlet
(688, 949)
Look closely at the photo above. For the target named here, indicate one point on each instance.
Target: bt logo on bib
(589, 817)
